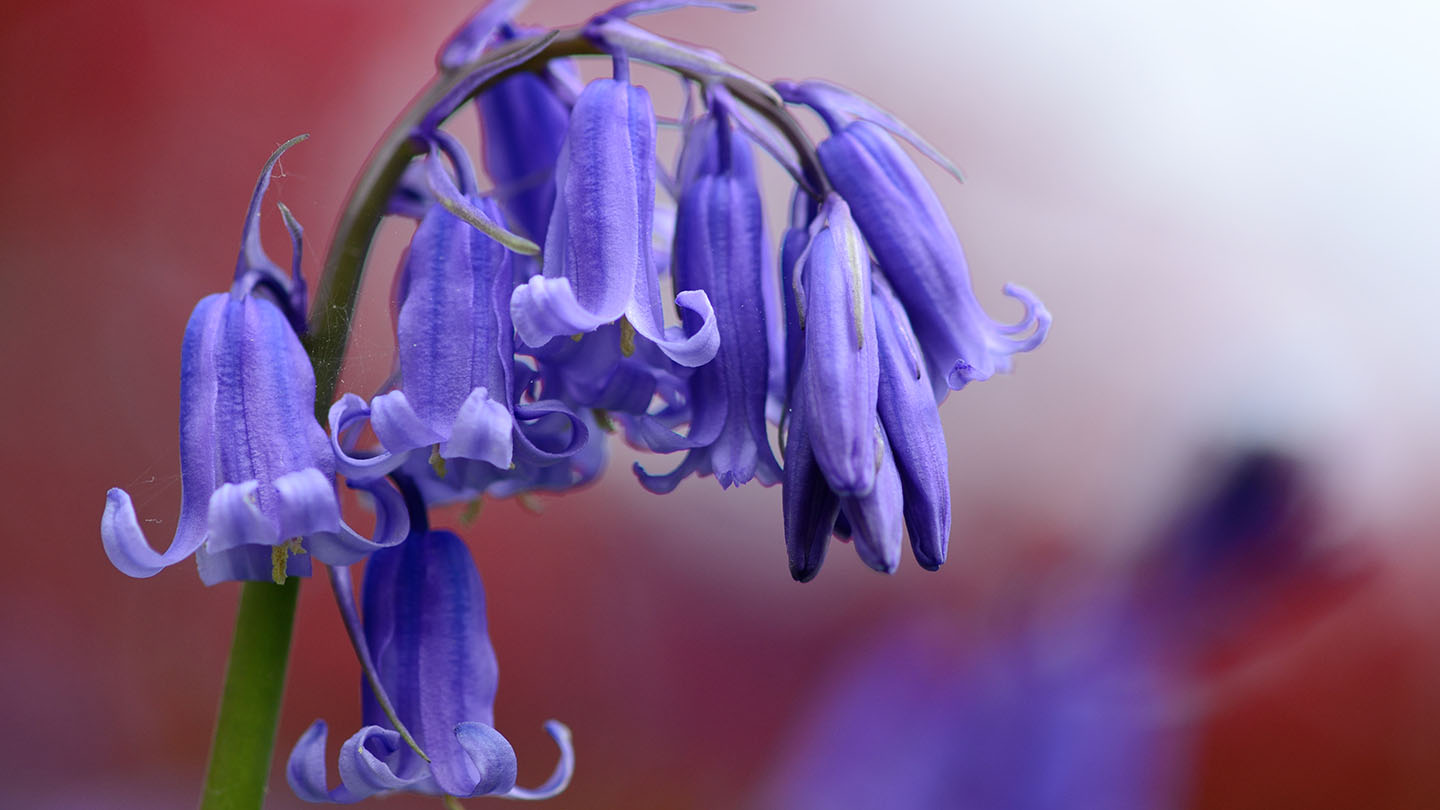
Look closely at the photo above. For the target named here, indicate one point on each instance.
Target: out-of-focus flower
(1088, 699)
(257, 473)
(425, 629)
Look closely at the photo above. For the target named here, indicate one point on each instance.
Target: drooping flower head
(257, 473)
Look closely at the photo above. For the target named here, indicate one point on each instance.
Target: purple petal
(120, 531)
(345, 546)
(307, 503)
(236, 518)
(564, 769)
(345, 416)
(689, 347)
(876, 518)
(398, 426)
(916, 246)
(548, 431)
(841, 362)
(482, 431)
(599, 231)
(305, 769)
(366, 762)
(912, 424)
(832, 100)
(492, 756)
(469, 41)
(810, 506)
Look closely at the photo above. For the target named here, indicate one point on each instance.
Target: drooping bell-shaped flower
(455, 398)
(908, 413)
(598, 262)
(915, 245)
(720, 249)
(257, 472)
(425, 630)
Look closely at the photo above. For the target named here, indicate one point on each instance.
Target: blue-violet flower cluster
(584, 283)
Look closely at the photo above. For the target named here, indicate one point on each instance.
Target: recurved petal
(841, 362)
(564, 769)
(366, 762)
(125, 543)
(694, 345)
(398, 427)
(307, 503)
(493, 758)
(876, 518)
(236, 519)
(548, 431)
(346, 415)
(345, 546)
(543, 308)
(482, 431)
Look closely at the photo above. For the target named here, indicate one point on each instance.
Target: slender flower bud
(911, 420)
(841, 363)
(257, 473)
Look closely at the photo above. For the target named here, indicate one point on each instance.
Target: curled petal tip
(564, 769)
(491, 754)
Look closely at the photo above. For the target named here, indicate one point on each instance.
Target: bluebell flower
(915, 245)
(598, 265)
(257, 472)
(456, 395)
(720, 249)
(425, 635)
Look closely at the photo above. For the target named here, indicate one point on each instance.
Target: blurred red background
(1231, 214)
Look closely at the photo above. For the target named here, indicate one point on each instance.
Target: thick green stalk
(250, 704)
(255, 678)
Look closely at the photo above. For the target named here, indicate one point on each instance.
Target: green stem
(255, 678)
(250, 704)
